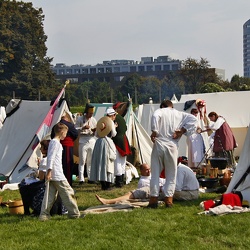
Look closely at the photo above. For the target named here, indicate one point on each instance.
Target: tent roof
(18, 133)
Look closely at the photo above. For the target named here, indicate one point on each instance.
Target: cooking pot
(208, 182)
(217, 162)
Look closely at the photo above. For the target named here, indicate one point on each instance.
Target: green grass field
(178, 228)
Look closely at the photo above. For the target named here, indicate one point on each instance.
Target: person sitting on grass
(187, 185)
(142, 191)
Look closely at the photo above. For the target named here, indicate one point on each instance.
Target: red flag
(45, 125)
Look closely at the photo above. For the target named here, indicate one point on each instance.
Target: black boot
(123, 179)
(103, 184)
(108, 186)
(118, 181)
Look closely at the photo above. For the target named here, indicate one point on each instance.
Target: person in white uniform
(167, 126)
(86, 126)
(196, 146)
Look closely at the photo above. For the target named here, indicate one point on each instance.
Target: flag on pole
(25, 161)
(45, 125)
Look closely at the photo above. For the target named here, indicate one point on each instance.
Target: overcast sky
(92, 31)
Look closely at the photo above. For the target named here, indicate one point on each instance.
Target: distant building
(115, 70)
(246, 48)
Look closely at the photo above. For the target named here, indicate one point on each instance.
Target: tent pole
(138, 142)
(22, 156)
(241, 179)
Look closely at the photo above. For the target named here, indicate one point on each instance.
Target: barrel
(16, 207)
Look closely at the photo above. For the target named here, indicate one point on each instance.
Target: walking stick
(205, 154)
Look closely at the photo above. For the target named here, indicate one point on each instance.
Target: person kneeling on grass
(56, 180)
(187, 185)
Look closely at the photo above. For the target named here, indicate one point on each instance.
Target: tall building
(246, 48)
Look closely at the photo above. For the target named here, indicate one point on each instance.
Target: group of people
(168, 125)
(103, 147)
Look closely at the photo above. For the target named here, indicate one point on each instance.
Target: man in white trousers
(167, 126)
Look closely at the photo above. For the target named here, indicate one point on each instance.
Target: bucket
(16, 207)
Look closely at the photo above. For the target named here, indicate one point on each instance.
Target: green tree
(210, 88)
(239, 83)
(172, 84)
(130, 86)
(195, 73)
(24, 66)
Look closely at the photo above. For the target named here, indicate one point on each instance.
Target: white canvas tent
(2, 115)
(234, 106)
(19, 136)
(144, 114)
(242, 167)
(137, 136)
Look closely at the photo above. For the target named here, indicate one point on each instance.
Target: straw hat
(104, 126)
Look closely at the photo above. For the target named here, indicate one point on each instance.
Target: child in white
(58, 183)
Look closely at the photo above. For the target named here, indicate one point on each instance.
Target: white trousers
(85, 155)
(164, 154)
(120, 164)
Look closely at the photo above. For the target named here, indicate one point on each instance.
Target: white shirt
(186, 179)
(216, 125)
(43, 164)
(166, 121)
(54, 160)
(144, 181)
(83, 121)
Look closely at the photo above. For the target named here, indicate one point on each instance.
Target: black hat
(88, 107)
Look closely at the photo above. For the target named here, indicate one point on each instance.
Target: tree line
(25, 69)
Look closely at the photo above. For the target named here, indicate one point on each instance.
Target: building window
(76, 71)
(140, 68)
(92, 70)
(132, 68)
(149, 68)
(108, 70)
(69, 71)
(100, 70)
(85, 71)
(157, 67)
(166, 67)
(116, 69)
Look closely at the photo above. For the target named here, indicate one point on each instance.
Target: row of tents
(27, 122)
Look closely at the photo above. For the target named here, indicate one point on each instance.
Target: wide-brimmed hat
(104, 126)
